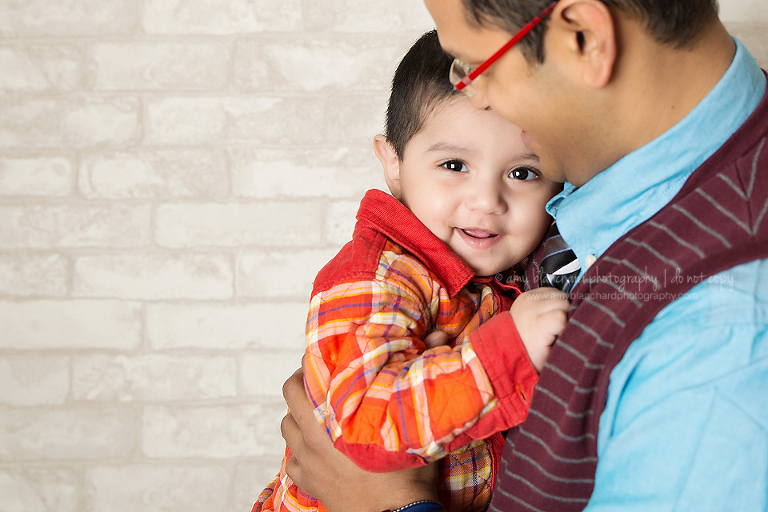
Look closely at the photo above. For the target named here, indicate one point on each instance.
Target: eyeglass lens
(458, 71)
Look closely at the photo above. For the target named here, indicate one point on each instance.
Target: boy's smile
(470, 179)
(479, 238)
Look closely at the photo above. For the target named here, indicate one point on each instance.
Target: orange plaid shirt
(385, 401)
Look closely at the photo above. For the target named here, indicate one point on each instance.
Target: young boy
(442, 253)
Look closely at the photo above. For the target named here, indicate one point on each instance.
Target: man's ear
(589, 32)
(389, 161)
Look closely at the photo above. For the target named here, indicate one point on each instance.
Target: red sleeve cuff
(505, 360)
(374, 458)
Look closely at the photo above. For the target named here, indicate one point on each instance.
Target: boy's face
(553, 114)
(470, 179)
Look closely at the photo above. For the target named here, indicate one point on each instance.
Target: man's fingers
(291, 386)
(294, 471)
(296, 397)
(291, 433)
(291, 426)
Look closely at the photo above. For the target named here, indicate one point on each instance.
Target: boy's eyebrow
(456, 148)
(531, 155)
(449, 147)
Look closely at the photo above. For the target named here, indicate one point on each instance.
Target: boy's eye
(523, 173)
(455, 165)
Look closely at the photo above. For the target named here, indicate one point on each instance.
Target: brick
(263, 373)
(753, 35)
(161, 174)
(377, 17)
(158, 66)
(341, 221)
(40, 490)
(240, 225)
(35, 18)
(213, 432)
(250, 478)
(230, 326)
(29, 275)
(40, 68)
(153, 377)
(72, 433)
(744, 11)
(356, 119)
(154, 276)
(81, 123)
(358, 64)
(153, 488)
(280, 273)
(268, 120)
(79, 324)
(36, 176)
(319, 172)
(112, 225)
(221, 17)
(34, 380)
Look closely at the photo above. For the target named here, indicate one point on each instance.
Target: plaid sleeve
(383, 401)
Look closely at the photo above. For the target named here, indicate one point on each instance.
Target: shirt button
(590, 260)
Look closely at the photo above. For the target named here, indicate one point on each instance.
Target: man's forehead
(448, 14)
(451, 22)
(461, 38)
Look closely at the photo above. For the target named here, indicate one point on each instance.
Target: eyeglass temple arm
(512, 42)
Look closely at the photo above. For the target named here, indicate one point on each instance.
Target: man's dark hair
(674, 22)
(419, 84)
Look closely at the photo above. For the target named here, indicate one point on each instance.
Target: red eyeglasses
(461, 75)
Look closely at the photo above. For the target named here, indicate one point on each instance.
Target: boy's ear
(586, 30)
(389, 161)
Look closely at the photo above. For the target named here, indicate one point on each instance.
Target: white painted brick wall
(46, 176)
(45, 324)
(152, 487)
(172, 176)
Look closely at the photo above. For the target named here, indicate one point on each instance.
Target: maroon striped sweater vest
(717, 221)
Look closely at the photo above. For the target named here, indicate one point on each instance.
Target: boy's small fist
(540, 316)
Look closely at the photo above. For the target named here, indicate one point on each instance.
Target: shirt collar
(390, 217)
(644, 181)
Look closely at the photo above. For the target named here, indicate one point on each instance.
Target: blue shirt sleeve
(685, 426)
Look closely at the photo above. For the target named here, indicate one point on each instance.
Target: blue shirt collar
(644, 181)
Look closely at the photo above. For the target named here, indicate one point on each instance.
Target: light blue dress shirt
(685, 426)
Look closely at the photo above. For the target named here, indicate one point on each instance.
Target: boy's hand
(540, 316)
(436, 339)
(325, 473)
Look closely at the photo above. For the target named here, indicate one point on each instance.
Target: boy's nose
(486, 197)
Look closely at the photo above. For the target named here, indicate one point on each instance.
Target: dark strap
(553, 263)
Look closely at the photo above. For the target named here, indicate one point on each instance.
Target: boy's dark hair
(675, 22)
(420, 82)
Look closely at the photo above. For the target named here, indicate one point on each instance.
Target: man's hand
(540, 316)
(326, 474)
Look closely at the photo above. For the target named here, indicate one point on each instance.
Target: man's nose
(480, 99)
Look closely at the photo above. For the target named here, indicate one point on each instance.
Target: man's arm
(325, 473)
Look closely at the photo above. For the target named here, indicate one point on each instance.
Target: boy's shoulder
(360, 259)
(386, 227)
